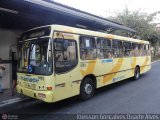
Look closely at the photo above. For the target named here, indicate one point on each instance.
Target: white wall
(7, 39)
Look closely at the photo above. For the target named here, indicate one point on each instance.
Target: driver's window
(65, 55)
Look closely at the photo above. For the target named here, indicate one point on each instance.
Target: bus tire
(87, 89)
(136, 73)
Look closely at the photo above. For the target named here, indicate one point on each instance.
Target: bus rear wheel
(87, 89)
(136, 73)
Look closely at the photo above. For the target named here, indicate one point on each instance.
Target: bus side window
(135, 51)
(104, 48)
(127, 49)
(87, 48)
(141, 50)
(65, 55)
(117, 48)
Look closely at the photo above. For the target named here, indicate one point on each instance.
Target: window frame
(134, 48)
(130, 55)
(77, 60)
(117, 48)
(142, 51)
(86, 48)
(101, 48)
(147, 51)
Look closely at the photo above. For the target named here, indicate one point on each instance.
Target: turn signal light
(49, 88)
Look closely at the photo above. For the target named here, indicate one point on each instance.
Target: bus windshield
(36, 57)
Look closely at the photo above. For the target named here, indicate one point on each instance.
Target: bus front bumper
(46, 96)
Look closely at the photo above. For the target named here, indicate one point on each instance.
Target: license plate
(41, 95)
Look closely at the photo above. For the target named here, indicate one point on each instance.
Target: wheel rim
(88, 88)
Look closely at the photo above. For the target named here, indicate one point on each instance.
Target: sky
(106, 8)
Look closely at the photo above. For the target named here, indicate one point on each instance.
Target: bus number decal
(83, 65)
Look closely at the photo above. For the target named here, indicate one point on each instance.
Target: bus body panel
(36, 86)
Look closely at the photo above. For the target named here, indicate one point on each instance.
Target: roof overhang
(25, 14)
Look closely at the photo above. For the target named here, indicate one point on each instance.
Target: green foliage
(141, 22)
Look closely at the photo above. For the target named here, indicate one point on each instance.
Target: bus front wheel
(136, 73)
(87, 89)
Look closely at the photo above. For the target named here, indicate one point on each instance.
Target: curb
(155, 61)
(11, 101)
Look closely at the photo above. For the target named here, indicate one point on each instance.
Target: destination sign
(39, 32)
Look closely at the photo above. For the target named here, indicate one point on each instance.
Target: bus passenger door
(65, 63)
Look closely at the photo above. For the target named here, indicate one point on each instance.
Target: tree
(141, 22)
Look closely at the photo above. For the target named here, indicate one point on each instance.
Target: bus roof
(74, 30)
(81, 31)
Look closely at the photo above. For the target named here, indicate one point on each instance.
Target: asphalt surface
(125, 97)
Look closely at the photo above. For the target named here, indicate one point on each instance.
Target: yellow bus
(57, 62)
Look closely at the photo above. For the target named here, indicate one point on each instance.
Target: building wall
(8, 40)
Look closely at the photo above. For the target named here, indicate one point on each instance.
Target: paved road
(142, 96)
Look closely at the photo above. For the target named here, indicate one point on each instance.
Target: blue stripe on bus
(104, 61)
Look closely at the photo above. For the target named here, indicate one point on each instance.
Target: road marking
(11, 101)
